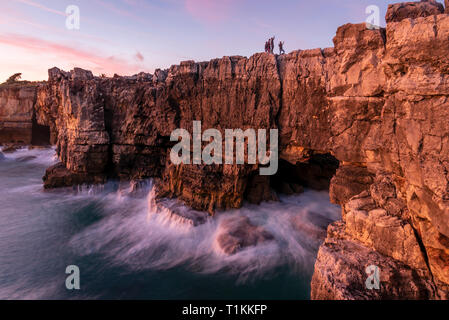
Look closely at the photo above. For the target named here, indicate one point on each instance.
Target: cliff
(375, 106)
(17, 113)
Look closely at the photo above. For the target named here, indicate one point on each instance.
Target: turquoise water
(126, 251)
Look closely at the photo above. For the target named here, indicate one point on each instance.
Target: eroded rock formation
(377, 102)
(17, 113)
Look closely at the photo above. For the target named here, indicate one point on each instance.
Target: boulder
(238, 233)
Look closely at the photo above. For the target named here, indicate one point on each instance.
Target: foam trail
(130, 231)
(137, 234)
(40, 156)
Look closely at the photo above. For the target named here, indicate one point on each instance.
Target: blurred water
(127, 251)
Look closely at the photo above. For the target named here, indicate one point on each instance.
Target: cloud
(42, 7)
(139, 57)
(210, 11)
(82, 58)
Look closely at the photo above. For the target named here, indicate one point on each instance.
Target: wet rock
(238, 233)
(33, 147)
(10, 149)
(174, 212)
(59, 176)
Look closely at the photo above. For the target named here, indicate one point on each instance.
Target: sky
(130, 36)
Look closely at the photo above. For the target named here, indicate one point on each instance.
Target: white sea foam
(136, 234)
(132, 232)
(44, 156)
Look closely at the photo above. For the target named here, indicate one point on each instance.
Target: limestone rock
(59, 176)
(340, 274)
(400, 11)
(348, 182)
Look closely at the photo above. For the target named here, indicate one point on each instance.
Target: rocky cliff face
(17, 113)
(376, 105)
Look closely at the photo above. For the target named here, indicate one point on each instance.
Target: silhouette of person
(272, 45)
(281, 47)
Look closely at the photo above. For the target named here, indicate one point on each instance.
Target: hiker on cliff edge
(281, 47)
(272, 45)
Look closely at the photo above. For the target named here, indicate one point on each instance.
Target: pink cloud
(82, 58)
(210, 11)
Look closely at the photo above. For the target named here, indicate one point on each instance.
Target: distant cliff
(375, 106)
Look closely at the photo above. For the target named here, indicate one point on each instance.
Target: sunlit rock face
(400, 11)
(16, 113)
(377, 102)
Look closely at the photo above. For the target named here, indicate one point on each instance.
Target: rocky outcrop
(403, 215)
(16, 113)
(412, 10)
(237, 233)
(375, 105)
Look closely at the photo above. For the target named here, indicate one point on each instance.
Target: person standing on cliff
(272, 45)
(281, 47)
(267, 47)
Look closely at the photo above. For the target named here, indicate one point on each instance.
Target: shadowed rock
(58, 176)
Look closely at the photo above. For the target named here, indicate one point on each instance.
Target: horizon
(111, 33)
